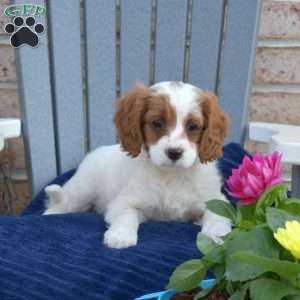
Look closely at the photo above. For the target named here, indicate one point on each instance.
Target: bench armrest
(280, 137)
(9, 128)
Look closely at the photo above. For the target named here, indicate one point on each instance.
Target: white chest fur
(174, 194)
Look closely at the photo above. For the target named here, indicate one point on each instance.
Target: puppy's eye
(157, 124)
(192, 127)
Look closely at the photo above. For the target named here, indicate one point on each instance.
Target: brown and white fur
(170, 135)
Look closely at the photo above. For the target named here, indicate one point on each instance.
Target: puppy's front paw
(117, 237)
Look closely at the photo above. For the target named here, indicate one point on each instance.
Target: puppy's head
(174, 122)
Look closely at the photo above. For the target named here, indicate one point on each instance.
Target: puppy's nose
(174, 153)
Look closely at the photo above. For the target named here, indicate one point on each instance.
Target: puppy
(170, 135)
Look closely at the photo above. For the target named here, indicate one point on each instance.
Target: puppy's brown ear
(128, 119)
(216, 128)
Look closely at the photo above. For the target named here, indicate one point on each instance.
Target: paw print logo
(24, 31)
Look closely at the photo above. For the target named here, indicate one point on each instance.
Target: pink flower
(254, 176)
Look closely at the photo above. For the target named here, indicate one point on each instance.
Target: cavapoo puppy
(163, 169)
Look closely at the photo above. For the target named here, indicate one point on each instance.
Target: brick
(3, 19)
(16, 147)
(275, 107)
(23, 197)
(4, 3)
(9, 103)
(7, 63)
(277, 65)
(14, 154)
(280, 20)
(20, 202)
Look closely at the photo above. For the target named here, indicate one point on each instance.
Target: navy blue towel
(62, 256)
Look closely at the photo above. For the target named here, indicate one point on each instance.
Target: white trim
(9, 85)
(4, 40)
(280, 137)
(286, 0)
(9, 128)
(274, 43)
(276, 88)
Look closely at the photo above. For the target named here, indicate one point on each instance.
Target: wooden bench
(92, 54)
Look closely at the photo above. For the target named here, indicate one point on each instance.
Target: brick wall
(9, 107)
(276, 89)
(276, 82)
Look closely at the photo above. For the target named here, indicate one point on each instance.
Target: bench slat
(67, 82)
(170, 39)
(101, 70)
(135, 43)
(207, 24)
(36, 108)
(238, 58)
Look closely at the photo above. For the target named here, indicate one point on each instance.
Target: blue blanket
(62, 256)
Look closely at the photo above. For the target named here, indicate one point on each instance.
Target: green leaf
(229, 287)
(238, 295)
(259, 241)
(285, 269)
(245, 216)
(263, 288)
(247, 212)
(277, 218)
(213, 253)
(286, 255)
(246, 225)
(272, 196)
(204, 243)
(203, 293)
(215, 256)
(231, 235)
(241, 293)
(219, 272)
(223, 209)
(292, 205)
(187, 275)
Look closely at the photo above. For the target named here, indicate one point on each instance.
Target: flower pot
(166, 295)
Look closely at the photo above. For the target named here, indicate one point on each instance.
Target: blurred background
(275, 91)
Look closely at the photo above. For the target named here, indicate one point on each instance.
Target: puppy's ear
(128, 119)
(216, 128)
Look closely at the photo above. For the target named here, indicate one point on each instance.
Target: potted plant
(258, 260)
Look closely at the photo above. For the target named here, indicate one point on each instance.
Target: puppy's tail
(55, 197)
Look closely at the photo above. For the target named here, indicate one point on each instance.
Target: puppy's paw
(118, 237)
(217, 230)
(54, 211)
(48, 212)
(54, 192)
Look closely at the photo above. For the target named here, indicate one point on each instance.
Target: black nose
(174, 153)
